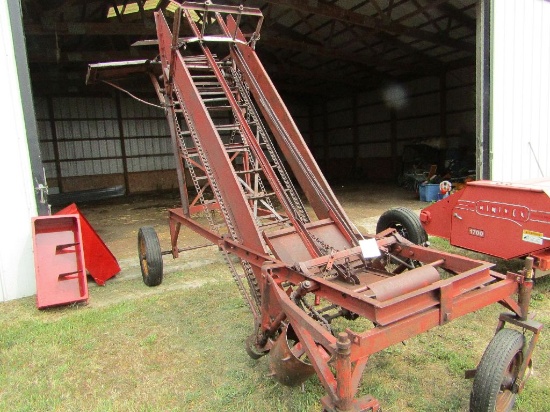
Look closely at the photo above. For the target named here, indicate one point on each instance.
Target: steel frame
(301, 272)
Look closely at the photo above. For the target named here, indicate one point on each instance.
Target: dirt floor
(118, 221)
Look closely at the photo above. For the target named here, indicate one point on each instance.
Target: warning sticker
(533, 237)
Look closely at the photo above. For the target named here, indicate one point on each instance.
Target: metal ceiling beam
(289, 33)
(114, 28)
(338, 13)
(458, 15)
(272, 41)
(427, 60)
(410, 50)
(50, 56)
(421, 9)
(424, 11)
(268, 41)
(324, 76)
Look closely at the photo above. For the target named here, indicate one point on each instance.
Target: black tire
(406, 222)
(150, 256)
(496, 373)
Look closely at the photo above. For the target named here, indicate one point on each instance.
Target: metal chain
(252, 297)
(325, 247)
(252, 283)
(308, 173)
(251, 163)
(208, 169)
(249, 274)
(252, 159)
(315, 315)
(190, 167)
(264, 138)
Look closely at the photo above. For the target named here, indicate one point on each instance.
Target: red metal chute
(101, 264)
(59, 261)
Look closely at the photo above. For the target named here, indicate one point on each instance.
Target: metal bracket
(42, 188)
(446, 308)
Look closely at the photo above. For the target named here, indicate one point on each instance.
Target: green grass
(180, 347)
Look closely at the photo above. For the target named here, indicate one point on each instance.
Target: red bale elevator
(298, 271)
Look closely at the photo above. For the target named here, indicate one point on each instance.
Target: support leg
(347, 382)
(174, 234)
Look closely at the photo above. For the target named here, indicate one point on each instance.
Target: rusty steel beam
(316, 188)
(383, 337)
(338, 13)
(250, 138)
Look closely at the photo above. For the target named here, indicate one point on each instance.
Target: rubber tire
(494, 365)
(150, 256)
(406, 222)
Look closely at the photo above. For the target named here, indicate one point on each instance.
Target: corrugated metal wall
(98, 142)
(147, 137)
(108, 138)
(363, 136)
(520, 86)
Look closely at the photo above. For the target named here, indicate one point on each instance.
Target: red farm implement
(505, 220)
(230, 131)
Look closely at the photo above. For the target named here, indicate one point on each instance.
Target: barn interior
(386, 94)
(380, 89)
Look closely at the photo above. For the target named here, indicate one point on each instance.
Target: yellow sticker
(533, 237)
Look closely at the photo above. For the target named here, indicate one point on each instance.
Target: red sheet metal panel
(100, 262)
(288, 247)
(59, 261)
(500, 219)
(436, 218)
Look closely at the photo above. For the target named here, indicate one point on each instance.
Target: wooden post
(122, 143)
(355, 135)
(393, 143)
(325, 137)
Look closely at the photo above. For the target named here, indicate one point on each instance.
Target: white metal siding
(520, 105)
(18, 203)
(89, 139)
(95, 136)
(147, 141)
